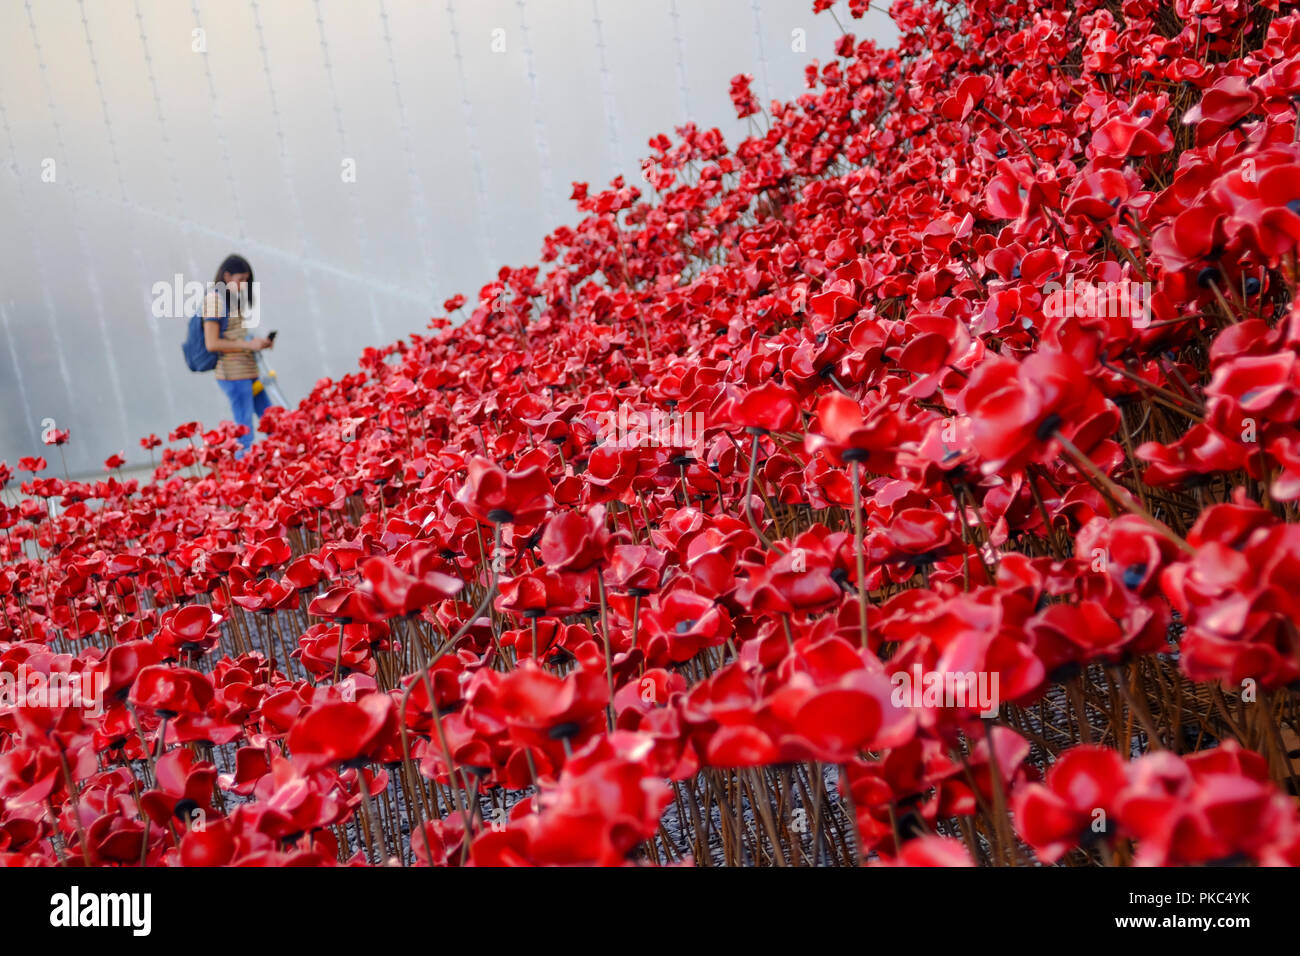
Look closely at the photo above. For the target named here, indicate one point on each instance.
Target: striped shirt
(231, 366)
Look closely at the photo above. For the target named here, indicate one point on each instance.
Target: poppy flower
(540, 593)
(914, 536)
(601, 807)
(1081, 789)
(169, 691)
(342, 732)
(346, 605)
(213, 845)
(856, 713)
(768, 407)
(251, 764)
(29, 774)
(531, 699)
(1014, 408)
(742, 97)
(189, 630)
(931, 851)
(495, 496)
(847, 435)
(965, 98)
(182, 780)
(1205, 807)
(1201, 451)
(266, 596)
(675, 627)
(575, 542)
(1220, 106)
(1139, 130)
(635, 568)
(801, 578)
(400, 593)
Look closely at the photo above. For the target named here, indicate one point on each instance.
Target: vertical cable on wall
(762, 54)
(471, 134)
(165, 137)
(83, 244)
(418, 204)
(131, 239)
(219, 125)
(358, 220)
(679, 57)
(539, 129)
(291, 189)
(607, 91)
(30, 416)
(26, 215)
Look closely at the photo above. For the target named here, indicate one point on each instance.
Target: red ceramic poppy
(400, 593)
(341, 732)
(1076, 803)
(346, 605)
(847, 435)
(575, 542)
(767, 407)
(495, 496)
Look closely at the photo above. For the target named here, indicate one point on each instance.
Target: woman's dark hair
(234, 265)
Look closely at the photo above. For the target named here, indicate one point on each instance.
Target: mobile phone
(270, 336)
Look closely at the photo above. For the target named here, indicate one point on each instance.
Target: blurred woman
(236, 371)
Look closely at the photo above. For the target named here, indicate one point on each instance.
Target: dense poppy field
(977, 361)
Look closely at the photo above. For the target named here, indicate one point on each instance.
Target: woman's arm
(215, 343)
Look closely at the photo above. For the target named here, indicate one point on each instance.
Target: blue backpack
(195, 347)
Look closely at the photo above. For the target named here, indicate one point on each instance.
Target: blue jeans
(243, 406)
